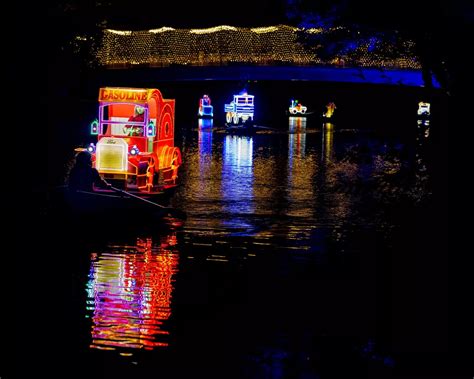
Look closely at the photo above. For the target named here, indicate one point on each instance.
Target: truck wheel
(236, 119)
(228, 117)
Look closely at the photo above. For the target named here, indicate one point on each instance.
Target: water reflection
(424, 127)
(327, 142)
(297, 124)
(237, 174)
(129, 294)
(297, 136)
(301, 169)
(205, 123)
(287, 185)
(205, 151)
(422, 184)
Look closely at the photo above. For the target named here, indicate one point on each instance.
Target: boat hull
(107, 207)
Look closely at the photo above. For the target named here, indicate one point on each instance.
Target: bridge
(264, 53)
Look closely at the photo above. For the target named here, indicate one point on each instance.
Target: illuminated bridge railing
(226, 45)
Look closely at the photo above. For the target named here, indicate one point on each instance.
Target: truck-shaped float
(135, 139)
(296, 108)
(241, 108)
(423, 109)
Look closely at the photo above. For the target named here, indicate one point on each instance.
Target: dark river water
(310, 250)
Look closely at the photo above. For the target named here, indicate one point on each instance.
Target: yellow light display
(212, 30)
(111, 155)
(161, 30)
(267, 29)
(222, 45)
(120, 32)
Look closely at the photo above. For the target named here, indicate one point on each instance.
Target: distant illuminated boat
(205, 108)
(329, 114)
(296, 108)
(240, 109)
(423, 110)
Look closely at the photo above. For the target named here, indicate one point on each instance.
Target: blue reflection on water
(205, 146)
(237, 175)
(205, 123)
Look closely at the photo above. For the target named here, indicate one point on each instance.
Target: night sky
(185, 14)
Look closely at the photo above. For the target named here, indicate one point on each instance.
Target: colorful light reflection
(205, 146)
(297, 137)
(205, 123)
(129, 294)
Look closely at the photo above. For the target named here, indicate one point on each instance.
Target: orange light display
(129, 295)
(135, 139)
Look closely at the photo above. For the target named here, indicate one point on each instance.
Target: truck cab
(135, 139)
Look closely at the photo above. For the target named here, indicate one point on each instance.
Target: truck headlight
(91, 148)
(134, 150)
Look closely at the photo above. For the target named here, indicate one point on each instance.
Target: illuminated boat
(240, 110)
(135, 148)
(328, 116)
(205, 110)
(423, 111)
(296, 108)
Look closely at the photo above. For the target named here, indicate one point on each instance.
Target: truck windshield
(122, 119)
(244, 100)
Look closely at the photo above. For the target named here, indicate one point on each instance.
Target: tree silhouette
(434, 27)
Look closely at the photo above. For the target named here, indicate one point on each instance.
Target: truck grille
(111, 155)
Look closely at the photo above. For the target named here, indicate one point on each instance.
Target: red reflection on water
(130, 291)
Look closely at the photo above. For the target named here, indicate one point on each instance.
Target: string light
(213, 30)
(120, 32)
(314, 30)
(162, 30)
(222, 45)
(266, 29)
